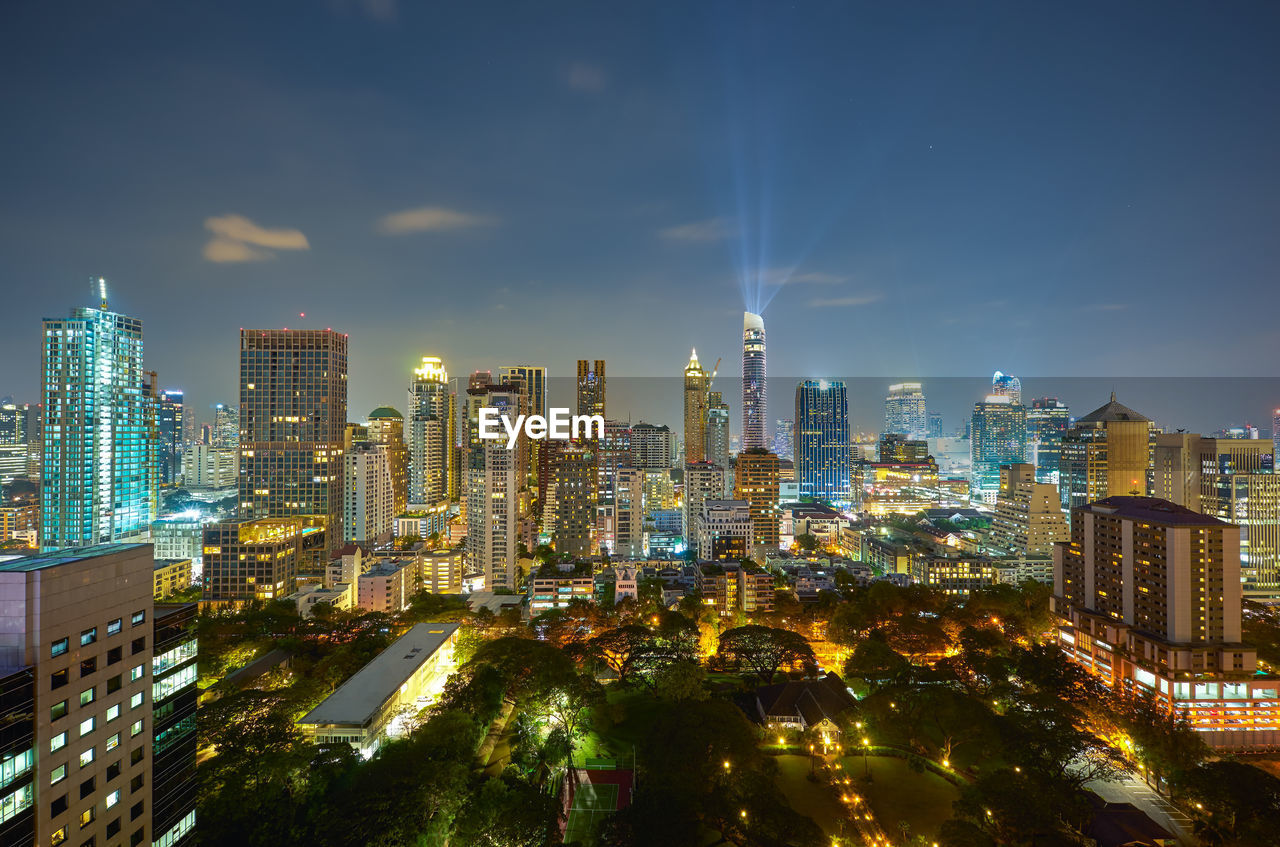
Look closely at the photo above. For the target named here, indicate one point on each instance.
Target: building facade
(823, 451)
(756, 483)
(998, 436)
(431, 432)
(695, 410)
(755, 394)
(1106, 453)
(904, 411)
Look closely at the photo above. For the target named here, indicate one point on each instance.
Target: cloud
(430, 219)
(838, 302)
(238, 239)
(712, 229)
(787, 276)
(581, 76)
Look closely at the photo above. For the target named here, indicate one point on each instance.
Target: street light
(866, 769)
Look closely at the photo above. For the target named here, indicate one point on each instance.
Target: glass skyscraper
(998, 436)
(822, 439)
(904, 410)
(100, 481)
(755, 396)
(1047, 421)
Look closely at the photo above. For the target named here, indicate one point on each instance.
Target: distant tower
(997, 436)
(821, 442)
(904, 410)
(1007, 385)
(695, 410)
(386, 428)
(431, 433)
(101, 468)
(717, 433)
(755, 399)
(591, 388)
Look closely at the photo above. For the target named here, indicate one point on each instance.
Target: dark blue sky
(918, 189)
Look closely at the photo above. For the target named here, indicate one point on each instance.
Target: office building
(78, 618)
(556, 586)
(1029, 518)
(755, 396)
(591, 387)
(1149, 598)
(408, 675)
(1007, 385)
(784, 432)
(998, 436)
(17, 755)
(823, 452)
(1231, 479)
(695, 410)
(956, 575)
(574, 495)
(611, 453)
(226, 427)
(99, 481)
(755, 482)
(13, 442)
(386, 429)
(254, 558)
(724, 530)
(494, 478)
(904, 411)
(702, 481)
(1106, 453)
(1047, 422)
(651, 447)
(179, 537)
(717, 432)
(293, 412)
(206, 468)
(173, 724)
(898, 449)
(431, 432)
(170, 417)
(934, 428)
(535, 380)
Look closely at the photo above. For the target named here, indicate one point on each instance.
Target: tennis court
(591, 802)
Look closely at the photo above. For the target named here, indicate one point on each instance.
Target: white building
(724, 529)
(368, 495)
(492, 514)
(206, 468)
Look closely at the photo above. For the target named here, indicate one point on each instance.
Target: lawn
(897, 793)
(810, 799)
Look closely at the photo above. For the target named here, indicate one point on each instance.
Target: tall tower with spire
(755, 400)
(696, 381)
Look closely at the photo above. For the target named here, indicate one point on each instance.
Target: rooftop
(358, 699)
(1153, 509)
(61, 557)
(1112, 411)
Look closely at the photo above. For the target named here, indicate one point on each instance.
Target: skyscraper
(591, 387)
(13, 441)
(904, 410)
(997, 436)
(494, 477)
(100, 474)
(368, 490)
(702, 481)
(822, 446)
(756, 482)
(755, 398)
(386, 428)
(431, 432)
(651, 447)
(535, 380)
(717, 432)
(695, 410)
(574, 496)
(1275, 431)
(170, 421)
(934, 429)
(1106, 453)
(1029, 518)
(784, 433)
(293, 411)
(1047, 421)
(226, 427)
(1007, 385)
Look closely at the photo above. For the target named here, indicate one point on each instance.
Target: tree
(681, 681)
(1238, 803)
(807, 542)
(766, 649)
(877, 663)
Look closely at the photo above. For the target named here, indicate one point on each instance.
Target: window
(113, 712)
(87, 787)
(58, 710)
(114, 655)
(88, 666)
(58, 775)
(136, 700)
(86, 758)
(88, 636)
(113, 684)
(135, 784)
(58, 679)
(59, 836)
(58, 806)
(87, 816)
(115, 626)
(135, 674)
(57, 742)
(88, 696)
(135, 811)
(113, 828)
(135, 756)
(135, 729)
(137, 645)
(87, 726)
(135, 839)
(113, 798)
(113, 771)
(138, 617)
(58, 648)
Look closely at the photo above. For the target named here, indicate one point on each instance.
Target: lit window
(58, 775)
(86, 758)
(135, 701)
(57, 742)
(113, 742)
(115, 626)
(59, 647)
(87, 726)
(88, 636)
(113, 798)
(135, 728)
(113, 712)
(87, 697)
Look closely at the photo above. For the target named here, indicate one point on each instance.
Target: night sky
(908, 189)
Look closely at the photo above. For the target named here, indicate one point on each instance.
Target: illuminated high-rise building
(226, 427)
(293, 413)
(494, 478)
(997, 436)
(651, 447)
(368, 490)
(170, 423)
(612, 453)
(755, 481)
(1007, 385)
(573, 492)
(904, 410)
(100, 475)
(1275, 431)
(1106, 453)
(1029, 518)
(591, 387)
(1047, 421)
(13, 441)
(934, 427)
(386, 428)
(823, 455)
(755, 396)
(431, 433)
(695, 410)
(784, 433)
(702, 481)
(535, 380)
(717, 431)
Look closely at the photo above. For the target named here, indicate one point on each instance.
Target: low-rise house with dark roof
(805, 704)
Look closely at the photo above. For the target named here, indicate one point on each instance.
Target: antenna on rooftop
(102, 292)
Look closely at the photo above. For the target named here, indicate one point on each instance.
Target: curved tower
(755, 405)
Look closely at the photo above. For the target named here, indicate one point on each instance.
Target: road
(1131, 789)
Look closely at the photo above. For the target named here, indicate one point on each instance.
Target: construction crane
(714, 371)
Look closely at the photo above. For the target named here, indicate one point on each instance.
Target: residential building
(368, 493)
(170, 576)
(1106, 453)
(1149, 598)
(425, 521)
(628, 508)
(695, 410)
(904, 411)
(387, 586)
(100, 480)
(998, 436)
(702, 481)
(210, 469)
(556, 586)
(822, 448)
(956, 575)
(574, 508)
(406, 677)
(293, 412)
(431, 432)
(756, 483)
(1029, 518)
(20, 521)
(651, 447)
(254, 558)
(386, 429)
(755, 395)
(717, 433)
(724, 530)
(180, 537)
